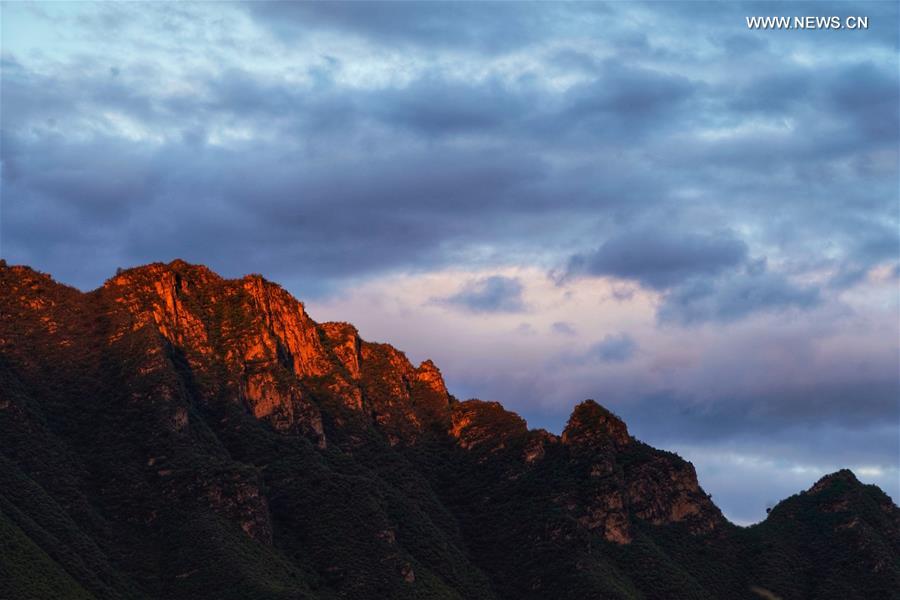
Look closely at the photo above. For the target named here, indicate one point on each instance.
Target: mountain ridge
(181, 405)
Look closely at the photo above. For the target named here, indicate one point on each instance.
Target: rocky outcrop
(592, 426)
(539, 440)
(156, 295)
(631, 480)
(663, 489)
(485, 425)
(346, 345)
(285, 318)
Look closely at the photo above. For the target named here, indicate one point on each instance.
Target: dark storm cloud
(703, 277)
(93, 185)
(735, 296)
(473, 154)
(483, 26)
(634, 95)
(494, 294)
(780, 92)
(244, 212)
(660, 258)
(294, 214)
(434, 106)
(861, 93)
(297, 212)
(868, 96)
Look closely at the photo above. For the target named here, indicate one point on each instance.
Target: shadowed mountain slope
(174, 434)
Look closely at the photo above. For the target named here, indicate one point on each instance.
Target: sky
(648, 204)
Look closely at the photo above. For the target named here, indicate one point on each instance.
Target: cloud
(735, 296)
(448, 151)
(488, 27)
(660, 259)
(494, 294)
(701, 277)
(563, 328)
(868, 95)
(630, 97)
(613, 348)
(435, 106)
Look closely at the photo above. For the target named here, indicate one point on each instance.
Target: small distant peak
(177, 268)
(428, 365)
(179, 263)
(256, 278)
(185, 268)
(22, 269)
(26, 273)
(430, 375)
(844, 477)
(592, 424)
(19, 269)
(255, 281)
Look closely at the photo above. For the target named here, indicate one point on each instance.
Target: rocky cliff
(174, 434)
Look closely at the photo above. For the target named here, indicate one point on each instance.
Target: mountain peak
(177, 265)
(591, 424)
(841, 478)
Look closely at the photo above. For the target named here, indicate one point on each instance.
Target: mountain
(178, 435)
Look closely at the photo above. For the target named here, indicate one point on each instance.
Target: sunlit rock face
(191, 436)
(477, 424)
(346, 345)
(269, 347)
(249, 337)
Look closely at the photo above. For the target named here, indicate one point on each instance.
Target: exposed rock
(286, 318)
(486, 425)
(429, 376)
(663, 489)
(607, 514)
(283, 405)
(346, 345)
(535, 448)
(591, 425)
